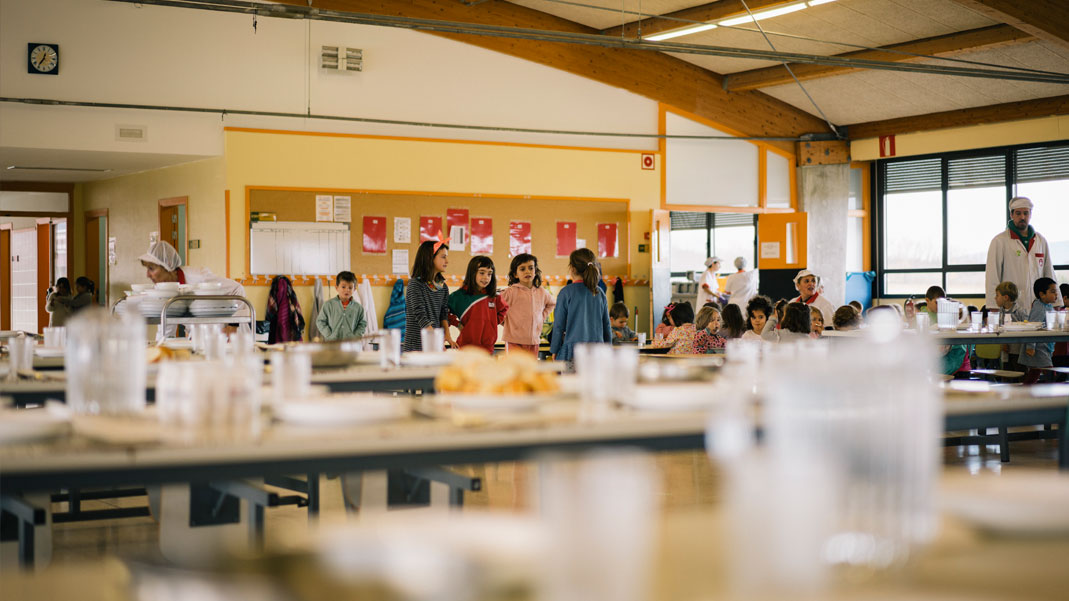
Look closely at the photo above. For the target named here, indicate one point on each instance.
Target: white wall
(123, 53)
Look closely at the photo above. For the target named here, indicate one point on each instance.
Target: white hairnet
(163, 254)
(740, 262)
(1020, 202)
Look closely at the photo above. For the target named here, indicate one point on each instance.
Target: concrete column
(824, 193)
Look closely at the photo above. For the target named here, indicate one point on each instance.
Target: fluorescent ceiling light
(660, 37)
(819, 2)
(765, 14)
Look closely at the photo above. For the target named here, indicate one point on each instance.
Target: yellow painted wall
(1029, 131)
(133, 212)
(365, 163)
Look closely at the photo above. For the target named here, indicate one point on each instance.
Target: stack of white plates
(152, 304)
(213, 308)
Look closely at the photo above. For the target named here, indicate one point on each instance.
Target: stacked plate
(212, 308)
(152, 303)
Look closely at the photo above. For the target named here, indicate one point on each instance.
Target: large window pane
(855, 236)
(688, 250)
(968, 283)
(1050, 216)
(913, 230)
(731, 242)
(856, 193)
(974, 216)
(911, 283)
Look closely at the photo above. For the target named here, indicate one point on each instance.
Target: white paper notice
(324, 207)
(402, 230)
(580, 243)
(343, 209)
(457, 237)
(400, 261)
(770, 250)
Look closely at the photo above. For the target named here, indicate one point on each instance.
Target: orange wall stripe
(226, 221)
(389, 279)
(443, 194)
(326, 134)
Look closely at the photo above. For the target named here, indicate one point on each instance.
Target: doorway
(173, 224)
(96, 248)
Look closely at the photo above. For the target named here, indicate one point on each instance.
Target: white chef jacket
(742, 286)
(1009, 261)
(825, 306)
(709, 277)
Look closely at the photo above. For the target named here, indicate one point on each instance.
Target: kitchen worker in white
(1019, 254)
(163, 264)
(741, 286)
(807, 283)
(708, 286)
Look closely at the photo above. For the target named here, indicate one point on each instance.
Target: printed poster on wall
(519, 238)
(402, 230)
(482, 236)
(458, 236)
(429, 228)
(565, 238)
(607, 240)
(374, 235)
(343, 209)
(400, 261)
(324, 207)
(456, 217)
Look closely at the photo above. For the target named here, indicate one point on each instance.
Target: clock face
(44, 58)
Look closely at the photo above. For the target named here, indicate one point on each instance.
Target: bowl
(138, 288)
(329, 354)
(168, 286)
(209, 286)
(161, 293)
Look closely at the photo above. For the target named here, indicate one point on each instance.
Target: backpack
(394, 319)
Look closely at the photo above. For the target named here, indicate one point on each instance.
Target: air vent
(340, 58)
(131, 133)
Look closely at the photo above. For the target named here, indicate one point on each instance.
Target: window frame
(878, 189)
(710, 225)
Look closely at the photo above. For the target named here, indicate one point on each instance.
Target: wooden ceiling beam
(1048, 20)
(654, 75)
(703, 13)
(996, 113)
(943, 45)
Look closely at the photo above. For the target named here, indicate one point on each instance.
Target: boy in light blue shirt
(1037, 355)
(342, 317)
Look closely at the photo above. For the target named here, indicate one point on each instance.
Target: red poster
(519, 238)
(374, 235)
(429, 228)
(455, 217)
(607, 240)
(565, 238)
(482, 236)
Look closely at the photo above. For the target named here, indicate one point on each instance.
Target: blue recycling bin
(859, 287)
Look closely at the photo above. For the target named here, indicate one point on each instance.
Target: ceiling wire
(685, 21)
(789, 70)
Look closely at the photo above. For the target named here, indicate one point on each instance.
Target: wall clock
(42, 58)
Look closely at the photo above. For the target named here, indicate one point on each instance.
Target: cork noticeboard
(542, 213)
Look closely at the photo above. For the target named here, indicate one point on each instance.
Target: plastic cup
(55, 337)
(20, 356)
(641, 339)
(432, 340)
(390, 348)
(1052, 318)
(291, 375)
(105, 362)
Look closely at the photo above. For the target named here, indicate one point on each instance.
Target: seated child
(757, 312)
(1037, 355)
(341, 317)
(816, 321)
(955, 357)
(707, 323)
(618, 315)
(683, 339)
(664, 328)
(846, 318)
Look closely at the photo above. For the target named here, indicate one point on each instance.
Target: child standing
(341, 318)
(529, 304)
(582, 312)
(708, 325)
(618, 315)
(476, 308)
(1037, 355)
(426, 303)
(58, 303)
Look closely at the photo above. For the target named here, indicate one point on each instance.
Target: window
(937, 215)
(698, 236)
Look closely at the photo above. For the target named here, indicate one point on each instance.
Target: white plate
(342, 410)
(31, 425)
(177, 343)
(212, 312)
(490, 402)
(1030, 502)
(422, 359)
(1023, 326)
(672, 397)
(49, 351)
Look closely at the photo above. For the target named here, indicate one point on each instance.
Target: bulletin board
(542, 213)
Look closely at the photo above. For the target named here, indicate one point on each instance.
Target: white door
(24, 280)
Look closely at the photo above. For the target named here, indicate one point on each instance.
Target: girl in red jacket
(476, 307)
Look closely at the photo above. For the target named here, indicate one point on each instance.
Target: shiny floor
(689, 480)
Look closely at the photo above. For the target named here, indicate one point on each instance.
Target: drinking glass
(977, 321)
(20, 356)
(105, 363)
(432, 340)
(1061, 319)
(1052, 318)
(390, 348)
(291, 375)
(641, 339)
(55, 337)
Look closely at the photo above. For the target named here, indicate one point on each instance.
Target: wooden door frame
(44, 270)
(175, 201)
(87, 216)
(67, 189)
(5, 277)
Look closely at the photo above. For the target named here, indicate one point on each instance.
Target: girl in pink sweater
(529, 304)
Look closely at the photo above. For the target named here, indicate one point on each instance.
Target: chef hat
(803, 273)
(1020, 202)
(163, 254)
(711, 260)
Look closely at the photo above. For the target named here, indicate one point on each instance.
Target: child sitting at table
(1037, 355)
(341, 317)
(846, 318)
(707, 323)
(757, 312)
(618, 315)
(683, 339)
(816, 321)
(956, 356)
(732, 323)
(796, 325)
(664, 328)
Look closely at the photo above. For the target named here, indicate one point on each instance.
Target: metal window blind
(688, 220)
(732, 219)
(977, 172)
(1042, 164)
(914, 176)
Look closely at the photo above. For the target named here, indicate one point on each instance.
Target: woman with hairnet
(163, 264)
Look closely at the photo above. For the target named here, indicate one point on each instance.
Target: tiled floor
(688, 480)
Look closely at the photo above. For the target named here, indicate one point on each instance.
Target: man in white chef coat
(1018, 254)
